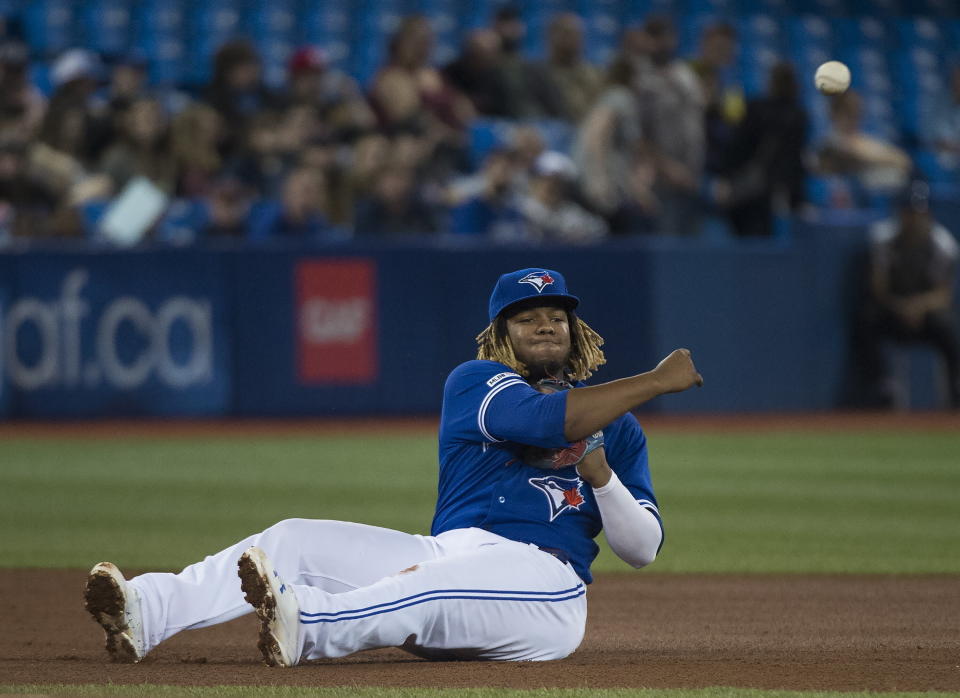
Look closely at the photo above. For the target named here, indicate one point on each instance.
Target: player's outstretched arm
(591, 409)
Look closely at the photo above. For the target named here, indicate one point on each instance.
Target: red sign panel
(337, 321)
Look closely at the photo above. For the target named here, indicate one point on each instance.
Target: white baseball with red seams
(832, 78)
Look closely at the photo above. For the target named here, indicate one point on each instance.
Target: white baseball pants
(465, 594)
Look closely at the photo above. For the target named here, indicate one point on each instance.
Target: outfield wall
(301, 330)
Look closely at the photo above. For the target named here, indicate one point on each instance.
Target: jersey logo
(538, 279)
(499, 377)
(562, 493)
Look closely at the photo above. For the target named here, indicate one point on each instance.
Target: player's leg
(500, 601)
(335, 556)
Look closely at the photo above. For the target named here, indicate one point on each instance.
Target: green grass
(778, 502)
(360, 692)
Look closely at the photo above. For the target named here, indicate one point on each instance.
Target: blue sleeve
(626, 449)
(488, 402)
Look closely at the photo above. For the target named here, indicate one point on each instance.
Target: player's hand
(594, 468)
(676, 373)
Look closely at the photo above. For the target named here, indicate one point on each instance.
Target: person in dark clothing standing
(913, 263)
(765, 171)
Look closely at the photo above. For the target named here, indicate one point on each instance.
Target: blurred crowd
(655, 142)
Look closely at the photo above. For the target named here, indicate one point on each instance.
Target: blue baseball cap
(529, 283)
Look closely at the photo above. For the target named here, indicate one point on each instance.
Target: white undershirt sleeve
(632, 530)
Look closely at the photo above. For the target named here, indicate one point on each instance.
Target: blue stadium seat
(159, 30)
(49, 26)
(811, 32)
(880, 119)
(324, 22)
(602, 36)
(755, 64)
(365, 60)
(821, 8)
(40, 77)
(11, 8)
(920, 32)
(447, 36)
(166, 61)
(933, 8)
(635, 11)
(91, 212)
(877, 8)
(875, 32)
(832, 192)
(271, 20)
(939, 168)
(761, 30)
(690, 29)
(210, 24)
(272, 25)
(726, 8)
(477, 13)
(106, 25)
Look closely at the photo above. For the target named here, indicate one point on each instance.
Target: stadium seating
(899, 51)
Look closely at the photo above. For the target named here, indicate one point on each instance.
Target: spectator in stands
(477, 73)
(396, 207)
(913, 262)
(551, 213)
(368, 156)
(527, 144)
(195, 137)
(412, 96)
(944, 134)
(489, 203)
(577, 82)
(528, 94)
(764, 170)
(724, 100)
(221, 214)
(878, 166)
(609, 152)
(25, 205)
(237, 91)
(142, 148)
(300, 212)
(75, 126)
(72, 133)
(21, 104)
(336, 96)
(228, 209)
(262, 162)
(331, 160)
(672, 120)
(128, 81)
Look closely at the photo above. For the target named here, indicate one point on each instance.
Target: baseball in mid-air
(832, 78)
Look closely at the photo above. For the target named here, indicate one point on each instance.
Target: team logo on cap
(562, 493)
(538, 279)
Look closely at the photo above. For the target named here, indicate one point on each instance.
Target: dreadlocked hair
(585, 352)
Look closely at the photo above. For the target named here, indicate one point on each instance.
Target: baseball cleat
(276, 606)
(115, 605)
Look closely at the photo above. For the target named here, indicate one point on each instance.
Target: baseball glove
(558, 458)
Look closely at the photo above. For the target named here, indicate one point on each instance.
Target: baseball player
(532, 466)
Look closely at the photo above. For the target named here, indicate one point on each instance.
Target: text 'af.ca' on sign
(337, 321)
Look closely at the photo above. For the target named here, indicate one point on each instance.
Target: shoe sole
(104, 600)
(256, 591)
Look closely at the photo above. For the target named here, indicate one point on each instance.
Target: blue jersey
(489, 411)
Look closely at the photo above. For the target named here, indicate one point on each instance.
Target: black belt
(557, 553)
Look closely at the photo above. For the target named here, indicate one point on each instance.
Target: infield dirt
(644, 629)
